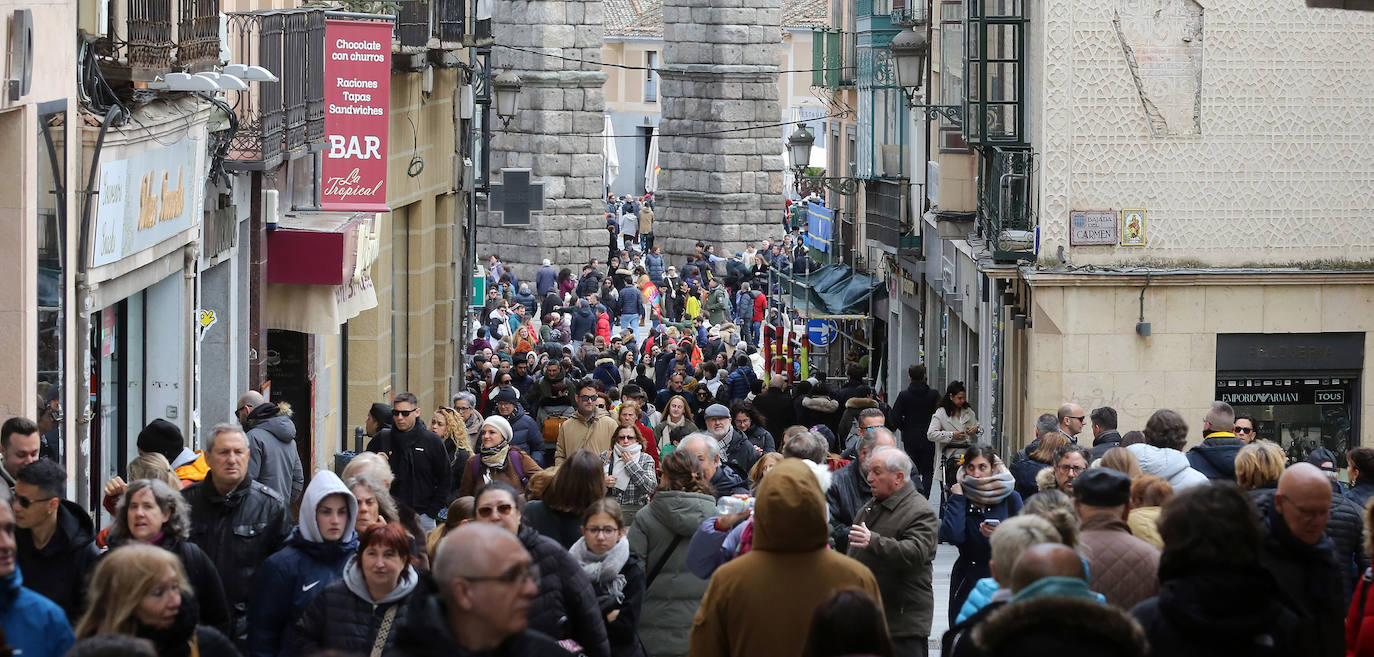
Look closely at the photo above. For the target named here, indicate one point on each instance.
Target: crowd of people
(655, 490)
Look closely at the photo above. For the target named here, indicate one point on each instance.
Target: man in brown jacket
(591, 429)
(1123, 568)
(787, 574)
(895, 535)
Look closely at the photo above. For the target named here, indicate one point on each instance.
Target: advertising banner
(357, 94)
(820, 226)
(147, 199)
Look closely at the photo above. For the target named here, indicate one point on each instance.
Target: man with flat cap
(1123, 568)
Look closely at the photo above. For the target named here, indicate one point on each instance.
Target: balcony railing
(293, 80)
(198, 35)
(425, 24)
(314, 89)
(150, 37)
(162, 35)
(256, 38)
(1006, 212)
(883, 212)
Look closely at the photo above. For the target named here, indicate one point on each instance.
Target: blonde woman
(449, 426)
(140, 590)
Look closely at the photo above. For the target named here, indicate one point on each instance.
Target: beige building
(634, 38)
(1167, 205)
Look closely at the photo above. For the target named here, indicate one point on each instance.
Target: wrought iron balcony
(430, 24)
(159, 36)
(1006, 212)
(883, 212)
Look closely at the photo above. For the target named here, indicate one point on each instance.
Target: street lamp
(506, 88)
(799, 145)
(911, 52)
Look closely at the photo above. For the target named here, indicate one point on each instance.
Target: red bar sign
(357, 95)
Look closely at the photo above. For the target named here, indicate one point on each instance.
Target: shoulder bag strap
(662, 561)
(384, 630)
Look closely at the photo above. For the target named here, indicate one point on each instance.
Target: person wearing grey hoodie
(363, 610)
(314, 556)
(274, 461)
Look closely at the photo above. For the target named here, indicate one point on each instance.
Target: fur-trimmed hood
(820, 404)
(1044, 479)
(861, 403)
(1060, 625)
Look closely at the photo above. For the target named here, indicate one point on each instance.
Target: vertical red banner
(357, 100)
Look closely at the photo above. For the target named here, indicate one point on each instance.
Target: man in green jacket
(717, 304)
(895, 535)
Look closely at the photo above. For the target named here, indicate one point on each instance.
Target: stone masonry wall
(720, 73)
(556, 132)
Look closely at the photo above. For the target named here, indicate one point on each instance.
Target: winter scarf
(622, 477)
(604, 570)
(495, 457)
(990, 490)
(472, 426)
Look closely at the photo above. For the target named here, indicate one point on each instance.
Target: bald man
(1301, 557)
(1045, 560)
(482, 605)
(1071, 420)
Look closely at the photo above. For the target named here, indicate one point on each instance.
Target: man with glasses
(486, 586)
(417, 458)
(1069, 462)
(55, 539)
(590, 429)
(1245, 428)
(1071, 420)
(1215, 458)
(33, 625)
(20, 444)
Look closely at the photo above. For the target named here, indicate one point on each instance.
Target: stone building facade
(556, 134)
(720, 183)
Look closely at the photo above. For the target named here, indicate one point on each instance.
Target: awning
(319, 271)
(832, 291)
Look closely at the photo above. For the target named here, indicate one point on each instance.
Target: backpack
(552, 425)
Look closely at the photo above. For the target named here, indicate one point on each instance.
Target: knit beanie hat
(162, 437)
(499, 424)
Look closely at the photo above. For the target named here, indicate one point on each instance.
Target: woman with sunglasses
(631, 475)
(357, 613)
(566, 606)
(617, 576)
(497, 460)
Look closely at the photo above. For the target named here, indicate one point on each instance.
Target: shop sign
(146, 199)
(357, 95)
(1336, 396)
(1092, 228)
(1291, 352)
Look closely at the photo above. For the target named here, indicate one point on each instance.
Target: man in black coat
(55, 540)
(236, 521)
(1216, 456)
(775, 405)
(480, 601)
(911, 415)
(1300, 556)
(1105, 435)
(418, 460)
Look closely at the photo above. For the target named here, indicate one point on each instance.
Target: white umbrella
(651, 166)
(610, 158)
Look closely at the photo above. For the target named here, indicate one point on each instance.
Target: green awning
(832, 290)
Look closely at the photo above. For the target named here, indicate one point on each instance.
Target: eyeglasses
(600, 531)
(26, 502)
(516, 575)
(1071, 469)
(1244, 430)
(403, 413)
(503, 509)
(462, 409)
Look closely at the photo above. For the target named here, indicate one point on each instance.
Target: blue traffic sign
(820, 332)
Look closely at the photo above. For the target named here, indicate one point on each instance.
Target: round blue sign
(820, 332)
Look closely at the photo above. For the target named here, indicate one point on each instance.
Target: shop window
(52, 271)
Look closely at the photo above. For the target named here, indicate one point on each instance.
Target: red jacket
(1359, 623)
(759, 304)
(603, 326)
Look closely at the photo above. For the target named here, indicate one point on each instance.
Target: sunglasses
(588, 397)
(503, 509)
(26, 502)
(400, 413)
(1244, 430)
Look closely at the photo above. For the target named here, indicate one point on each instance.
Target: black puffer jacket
(1309, 580)
(566, 606)
(60, 570)
(848, 493)
(1216, 456)
(343, 616)
(237, 531)
(1345, 527)
(1196, 614)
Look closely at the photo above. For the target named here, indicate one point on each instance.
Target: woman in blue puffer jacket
(313, 558)
(985, 491)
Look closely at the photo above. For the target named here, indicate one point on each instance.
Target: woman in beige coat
(953, 427)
